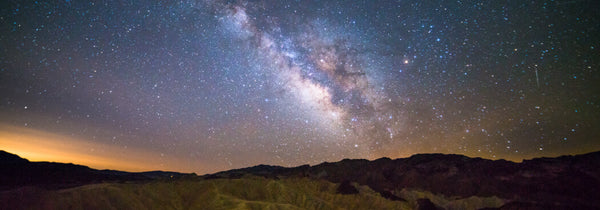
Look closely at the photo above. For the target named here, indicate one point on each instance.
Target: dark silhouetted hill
(18, 172)
(424, 181)
(571, 182)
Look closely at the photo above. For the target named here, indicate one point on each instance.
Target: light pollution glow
(36, 145)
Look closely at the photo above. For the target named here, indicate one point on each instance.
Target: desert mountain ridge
(435, 181)
(20, 172)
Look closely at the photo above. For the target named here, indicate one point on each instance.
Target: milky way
(204, 86)
(328, 80)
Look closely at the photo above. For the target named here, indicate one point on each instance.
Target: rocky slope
(571, 182)
(426, 181)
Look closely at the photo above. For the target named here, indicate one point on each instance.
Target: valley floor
(250, 192)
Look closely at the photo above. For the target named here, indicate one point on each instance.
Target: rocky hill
(571, 182)
(18, 172)
(425, 181)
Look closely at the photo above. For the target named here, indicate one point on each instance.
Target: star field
(204, 86)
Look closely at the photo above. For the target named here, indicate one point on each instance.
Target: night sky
(203, 86)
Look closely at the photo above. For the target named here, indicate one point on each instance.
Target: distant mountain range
(18, 172)
(566, 182)
(424, 181)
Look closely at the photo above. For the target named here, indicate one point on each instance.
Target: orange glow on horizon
(36, 145)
